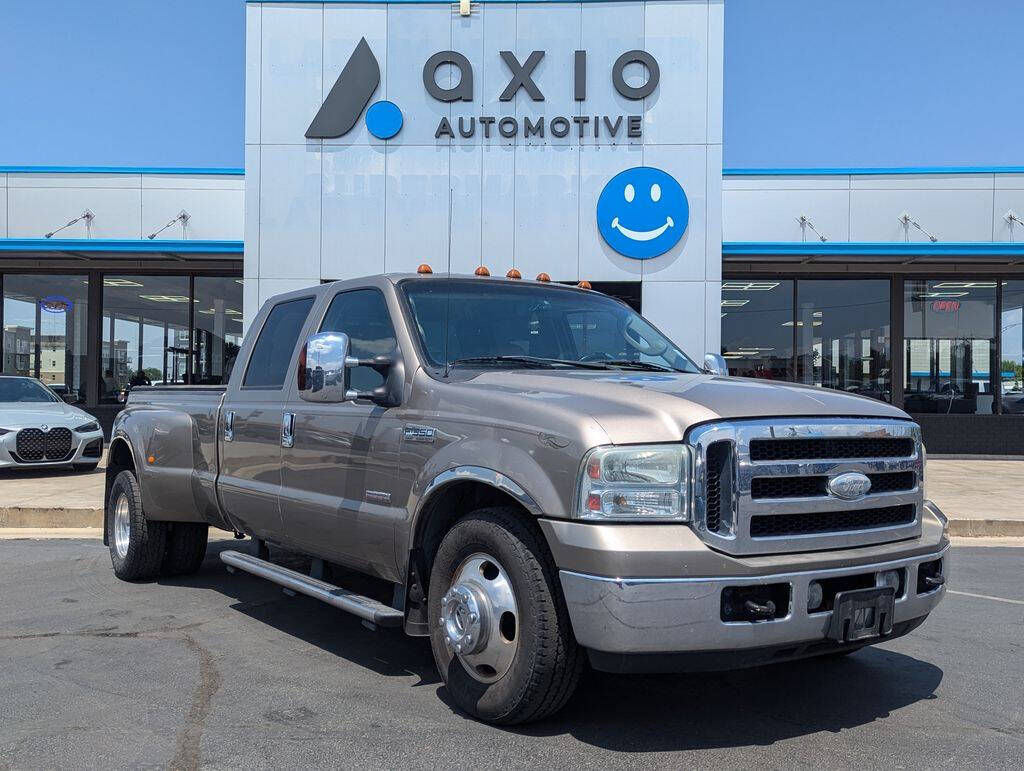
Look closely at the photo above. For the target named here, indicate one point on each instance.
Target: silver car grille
(766, 486)
(34, 445)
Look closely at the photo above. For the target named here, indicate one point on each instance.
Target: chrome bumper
(663, 615)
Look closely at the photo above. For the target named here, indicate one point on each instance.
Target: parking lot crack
(187, 753)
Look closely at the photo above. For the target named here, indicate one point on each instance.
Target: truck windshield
(23, 389)
(472, 323)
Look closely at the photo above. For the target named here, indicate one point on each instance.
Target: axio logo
(350, 95)
(642, 212)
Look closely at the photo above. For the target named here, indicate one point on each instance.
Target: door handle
(229, 426)
(288, 430)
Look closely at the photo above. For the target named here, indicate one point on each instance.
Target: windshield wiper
(529, 361)
(637, 364)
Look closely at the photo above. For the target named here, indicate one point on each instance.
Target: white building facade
(514, 119)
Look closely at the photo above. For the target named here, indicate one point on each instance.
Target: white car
(38, 430)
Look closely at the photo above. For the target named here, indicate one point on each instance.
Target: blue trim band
(118, 170)
(965, 248)
(878, 170)
(138, 246)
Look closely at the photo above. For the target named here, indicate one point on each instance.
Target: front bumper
(658, 615)
(658, 589)
(83, 451)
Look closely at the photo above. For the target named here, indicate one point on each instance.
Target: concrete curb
(49, 518)
(59, 518)
(985, 528)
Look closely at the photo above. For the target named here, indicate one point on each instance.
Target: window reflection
(757, 328)
(145, 333)
(1012, 361)
(949, 330)
(218, 328)
(45, 332)
(843, 335)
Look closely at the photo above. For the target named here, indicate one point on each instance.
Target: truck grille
(806, 449)
(830, 522)
(34, 445)
(814, 486)
(762, 486)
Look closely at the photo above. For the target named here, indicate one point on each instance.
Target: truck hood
(634, 406)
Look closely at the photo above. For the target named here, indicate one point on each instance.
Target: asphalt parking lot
(223, 670)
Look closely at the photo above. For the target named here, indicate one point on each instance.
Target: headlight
(89, 427)
(649, 482)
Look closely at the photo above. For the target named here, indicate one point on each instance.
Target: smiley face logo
(642, 212)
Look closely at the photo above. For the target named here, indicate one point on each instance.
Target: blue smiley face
(642, 212)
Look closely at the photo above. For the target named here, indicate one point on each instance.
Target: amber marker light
(584, 285)
(151, 459)
(424, 269)
(543, 277)
(513, 273)
(481, 271)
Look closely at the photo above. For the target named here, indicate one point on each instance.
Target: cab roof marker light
(584, 285)
(544, 277)
(424, 269)
(513, 273)
(482, 271)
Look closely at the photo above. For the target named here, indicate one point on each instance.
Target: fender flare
(487, 476)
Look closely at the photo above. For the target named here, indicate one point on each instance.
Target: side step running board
(364, 607)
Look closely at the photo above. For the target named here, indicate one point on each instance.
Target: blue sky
(808, 83)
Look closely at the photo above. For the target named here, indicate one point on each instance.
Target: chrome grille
(34, 445)
(779, 479)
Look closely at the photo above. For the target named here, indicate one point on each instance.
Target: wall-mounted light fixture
(1012, 219)
(906, 220)
(805, 223)
(183, 217)
(87, 215)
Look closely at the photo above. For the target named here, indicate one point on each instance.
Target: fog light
(814, 595)
(888, 578)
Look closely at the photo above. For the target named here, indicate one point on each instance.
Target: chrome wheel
(122, 526)
(480, 618)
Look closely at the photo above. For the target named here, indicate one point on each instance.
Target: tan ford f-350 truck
(541, 478)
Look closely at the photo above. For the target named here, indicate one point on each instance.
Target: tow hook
(758, 610)
(934, 581)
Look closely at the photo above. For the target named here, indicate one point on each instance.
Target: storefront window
(843, 333)
(949, 332)
(217, 334)
(1012, 360)
(145, 333)
(45, 331)
(757, 328)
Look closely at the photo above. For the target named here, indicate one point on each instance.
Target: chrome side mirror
(715, 364)
(324, 366)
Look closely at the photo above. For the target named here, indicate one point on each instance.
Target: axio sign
(642, 212)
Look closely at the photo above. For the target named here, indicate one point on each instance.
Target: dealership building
(578, 139)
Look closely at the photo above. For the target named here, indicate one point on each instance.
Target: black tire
(85, 468)
(147, 540)
(186, 548)
(548, 661)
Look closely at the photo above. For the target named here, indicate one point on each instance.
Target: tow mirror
(324, 366)
(715, 364)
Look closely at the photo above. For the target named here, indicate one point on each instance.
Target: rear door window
(272, 353)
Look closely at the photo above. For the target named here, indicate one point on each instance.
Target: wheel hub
(122, 526)
(480, 618)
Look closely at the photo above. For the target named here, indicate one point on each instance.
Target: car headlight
(87, 428)
(649, 482)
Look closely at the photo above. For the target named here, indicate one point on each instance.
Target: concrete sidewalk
(981, 497)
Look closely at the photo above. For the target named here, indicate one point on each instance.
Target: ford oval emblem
(849, 486)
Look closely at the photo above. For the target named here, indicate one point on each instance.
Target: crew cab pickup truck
(540, 479)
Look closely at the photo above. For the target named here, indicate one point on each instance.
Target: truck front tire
(500, 631)
(137, 545)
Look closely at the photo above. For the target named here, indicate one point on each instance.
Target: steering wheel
(597, 356)
(642, 345)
